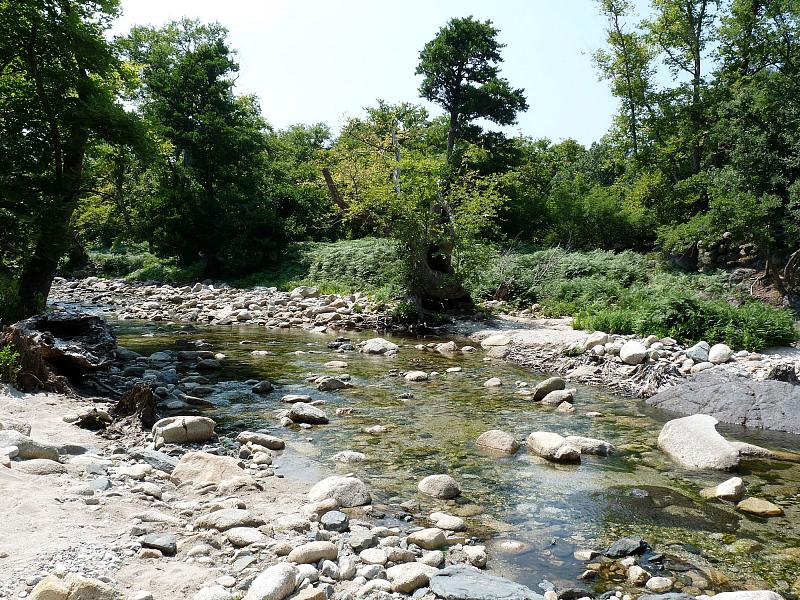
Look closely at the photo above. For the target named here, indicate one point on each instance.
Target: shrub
(11, 309)
(9, 364)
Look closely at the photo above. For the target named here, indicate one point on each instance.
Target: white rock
(347, 491)
(496, 339)
(439, 486)
(275, 583)
(732, 489)
(595, 338)
(719, 353)
(694, 442)
(589, 445)
(492, 382)
(632, 352)
(553, 447)
(378, 346)
(416, 376)
(182, 430)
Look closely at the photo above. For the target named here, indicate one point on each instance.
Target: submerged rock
(694, 443)
(439, 486)
(498, 441)
(553, 447)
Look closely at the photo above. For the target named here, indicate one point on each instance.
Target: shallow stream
(532, 514)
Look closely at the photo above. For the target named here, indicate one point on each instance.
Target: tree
(58, 92)
(627, 65)
(460, 73)
(215, 202)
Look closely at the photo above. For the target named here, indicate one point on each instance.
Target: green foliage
(11, 308)
(371, 265)
(136, 264)
(9, 364)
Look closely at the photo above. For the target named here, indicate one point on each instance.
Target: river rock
(347, 457)
(261, 439)
(446, 347)
(637, 575)
(154, 458)
(659, 585)
(556, 397)
(596, 338)
(335, 364)
(313, 552)
(211, 592)
(331, 384)
(759, 507)
(292, 398)
(182, 430)
(200, 468)
(244, 536)
(699, 352)
(439, 486)
(462, 582)
(732, 489)
(167, 543)
(73, 587)
(738, 400)
(431, 538)
(627, 546)
(410, 576)
(633, 352)
(498, 441)
(545, 387)
(275, 583)
(719, 353)
(26, 447)
(416, 376)
(262, 388)
(378, 346)
(553, 447)
(347, 491)
(493, 382)
(335, 520)
(228, 518)
(589, 445)
(694, 443)
(300, 412)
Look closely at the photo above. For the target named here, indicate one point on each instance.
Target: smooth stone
(416, 376)
(462, 582)
(553, 447)
(732, 489)
(632, 352)
(335, 520)
(275, 583)
(694, 443)
(498, 441)
(347, 491)
(262, 388)
(300, 412)
(492, 382)
(439, 486)
(261, 439)
(589, 445)
(313, 552)
(348, 457)
(167, 543)
(627, 546)
(228, 518)
(40, 466)
(699, 352)
(199, 468)
(244, 536)
(556, 397)
(543, 388)
(378, 346)
(411, 576)
(719, 354)
(431, 538)
(373, 556)
(759, 507)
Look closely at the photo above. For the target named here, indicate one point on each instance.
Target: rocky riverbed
(296, 462)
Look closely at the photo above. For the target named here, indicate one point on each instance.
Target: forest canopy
(142, 141)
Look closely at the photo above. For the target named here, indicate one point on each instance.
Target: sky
(311, 61)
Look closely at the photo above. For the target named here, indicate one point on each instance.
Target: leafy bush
(9, 364)
(372, 265)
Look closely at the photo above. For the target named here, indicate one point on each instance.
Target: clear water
(551, 510)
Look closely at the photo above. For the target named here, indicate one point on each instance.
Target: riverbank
(626, 364)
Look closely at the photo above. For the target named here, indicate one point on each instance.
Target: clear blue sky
(322, 60)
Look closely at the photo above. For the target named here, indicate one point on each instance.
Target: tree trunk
(451, 134)
(333, 190)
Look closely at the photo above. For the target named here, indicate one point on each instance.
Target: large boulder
(347, 491)
(462, 582)
(182, 430)
(497, 441)
(694, 443)
(737, 400)
(553, 447)
(275, 583)
(199, 468)
(439, 486)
